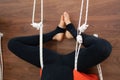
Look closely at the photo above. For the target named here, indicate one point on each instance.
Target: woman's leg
(96, 50)
(49, 36)
(27, 47)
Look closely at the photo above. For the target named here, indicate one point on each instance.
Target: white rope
(39, 26)
(1, 59)
(99, 66)
(33, 16)
(100, 71)
(81, 28)
(41, 36)
(78, 37)
(81, 11)
(87, 6)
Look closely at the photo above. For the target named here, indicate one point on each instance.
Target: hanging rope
(99, 66)
(100, 71)
(82, 28)
(1, 59)
(39, 26)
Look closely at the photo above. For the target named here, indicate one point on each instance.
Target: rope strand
(81, 11)
(82, 28)
(41, 36)
(87, 6)
(34, 6)
(39, 26)
(1, 58)
(99, 66)
(100, 71)
(79, 30)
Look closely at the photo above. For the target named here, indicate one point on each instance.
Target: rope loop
(82, 28)
(37, 25)
(79, 39)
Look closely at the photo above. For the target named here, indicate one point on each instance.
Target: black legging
(96, 50)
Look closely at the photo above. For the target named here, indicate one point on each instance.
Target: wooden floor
(15, 20)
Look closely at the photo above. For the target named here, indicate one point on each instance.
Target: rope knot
(82, 28)
(37, 25)
(1, 34)
(79, 39)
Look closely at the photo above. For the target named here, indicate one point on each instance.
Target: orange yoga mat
(83, 76)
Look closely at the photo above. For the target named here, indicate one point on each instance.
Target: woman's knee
(12, 44)
(104, 47)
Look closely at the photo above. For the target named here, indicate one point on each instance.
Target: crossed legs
(27, 47)
(94, 52)
(96, 49)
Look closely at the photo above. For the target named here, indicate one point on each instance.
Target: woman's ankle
(68, 35)
(59, 37)
(59, 33)
(72, 31)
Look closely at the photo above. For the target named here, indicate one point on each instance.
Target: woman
(56, 66)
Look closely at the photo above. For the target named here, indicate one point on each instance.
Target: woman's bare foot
(60, 36)
(67, 21)
(67, 18)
